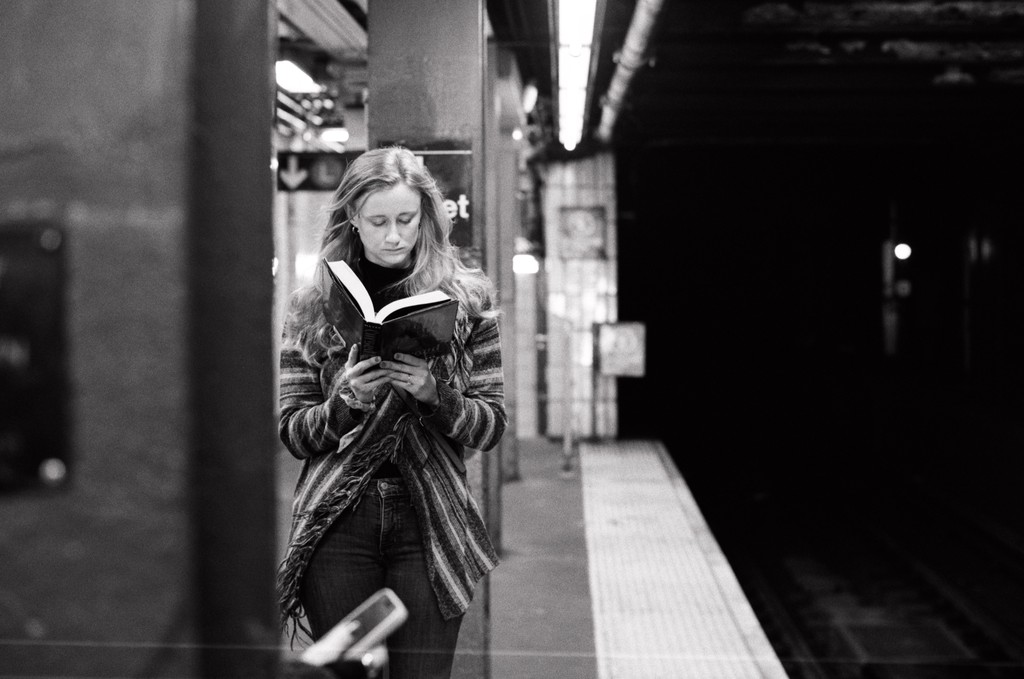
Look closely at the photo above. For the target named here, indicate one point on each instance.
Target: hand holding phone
(375, 619)
(357, 634)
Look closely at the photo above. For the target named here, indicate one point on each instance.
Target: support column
(135, 146)
(426, 91)
(234, 432)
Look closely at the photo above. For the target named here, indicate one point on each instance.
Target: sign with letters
(451, 164)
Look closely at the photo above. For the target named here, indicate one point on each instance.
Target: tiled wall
(581, 290)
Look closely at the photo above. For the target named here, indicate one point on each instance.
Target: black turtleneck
(376, 277)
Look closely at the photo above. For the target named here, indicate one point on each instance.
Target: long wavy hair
(435, 261)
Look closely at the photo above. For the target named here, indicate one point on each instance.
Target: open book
(419, 324)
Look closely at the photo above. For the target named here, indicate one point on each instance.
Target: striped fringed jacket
(341, 448)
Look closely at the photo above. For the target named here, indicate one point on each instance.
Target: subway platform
(609, 571)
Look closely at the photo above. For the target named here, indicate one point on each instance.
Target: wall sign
(581, 232)
(621, 348)
(311, 171)
(451, 164)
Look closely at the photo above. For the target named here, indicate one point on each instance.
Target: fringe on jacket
(341, 449)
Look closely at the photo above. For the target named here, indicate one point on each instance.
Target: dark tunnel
(776, 357)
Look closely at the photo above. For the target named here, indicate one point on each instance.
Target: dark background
(757, 270)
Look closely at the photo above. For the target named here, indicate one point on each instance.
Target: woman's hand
(413, 375)
(362, 376)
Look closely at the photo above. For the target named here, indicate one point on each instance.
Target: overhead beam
(329, 25)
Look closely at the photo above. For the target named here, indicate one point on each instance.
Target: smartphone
(375, 619)
(359, 632)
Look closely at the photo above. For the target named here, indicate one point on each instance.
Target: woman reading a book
(382, 498)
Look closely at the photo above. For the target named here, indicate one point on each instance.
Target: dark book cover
(421, 325)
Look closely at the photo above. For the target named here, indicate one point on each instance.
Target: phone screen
(372, 616)
(360, 632)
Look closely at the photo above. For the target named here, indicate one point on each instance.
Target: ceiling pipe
(631, 58)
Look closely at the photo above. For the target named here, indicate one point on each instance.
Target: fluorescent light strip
(336, 135)
(573, 67)
(293, 79)
(575, 34)
(576, 22)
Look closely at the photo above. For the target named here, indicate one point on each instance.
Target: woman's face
(388, 222)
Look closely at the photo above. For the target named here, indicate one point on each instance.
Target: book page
(351, 281)
(398, 304)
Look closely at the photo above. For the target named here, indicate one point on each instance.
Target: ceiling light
(334, 134)
(293, 79)
(529, 97)
(576, 22)
(575, 35)
(525, 263)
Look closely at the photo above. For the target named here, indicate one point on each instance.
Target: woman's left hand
(412, 374)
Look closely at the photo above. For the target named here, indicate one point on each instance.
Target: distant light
(954, 76)
(527, 264)
(517, 134)
(292, 78)
(986, 249)
(334, 134)
(52, 471)
(529, 97)
(572, 96)
(902, 251)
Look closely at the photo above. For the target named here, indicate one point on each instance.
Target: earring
(355, 229)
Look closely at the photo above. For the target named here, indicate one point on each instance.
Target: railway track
(905, 586)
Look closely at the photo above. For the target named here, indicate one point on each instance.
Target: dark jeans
(376, 545)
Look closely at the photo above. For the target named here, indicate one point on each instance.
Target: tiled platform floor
(665, 601)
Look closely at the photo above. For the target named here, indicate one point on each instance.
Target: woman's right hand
(363, 377)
